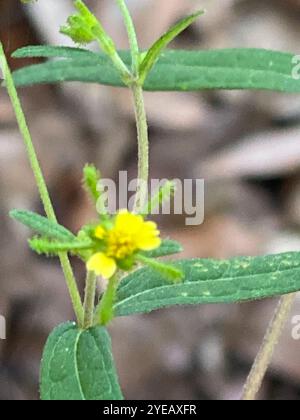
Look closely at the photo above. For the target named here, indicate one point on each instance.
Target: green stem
(121, 66)
(264, 357)
(115, 58)
(140, 112)
(134, 47)
(41, 184)
(104, 312)
(89, 299)
(143, 147)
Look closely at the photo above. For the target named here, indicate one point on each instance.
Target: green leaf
(78, 365)
(157, 48)
(42, 225)
(167, 247)
(91, 178)
(175, 70)
(44, 246)
(47, 51)
(168, 271)
(210, 281)
(68, 70)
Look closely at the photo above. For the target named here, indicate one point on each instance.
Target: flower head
(120, 241)
(115, 243)
(80, 27)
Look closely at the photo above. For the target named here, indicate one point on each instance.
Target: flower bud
(81, 27)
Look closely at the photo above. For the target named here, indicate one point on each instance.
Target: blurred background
(244, 144)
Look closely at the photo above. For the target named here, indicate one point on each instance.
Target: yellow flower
(130, 233)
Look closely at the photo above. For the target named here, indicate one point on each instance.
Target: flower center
(120, 245)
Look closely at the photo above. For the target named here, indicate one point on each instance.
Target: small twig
(264, 357)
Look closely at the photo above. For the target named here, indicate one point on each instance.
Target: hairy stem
(264, 357)
(140, 112)
(116, 60)
(104, 312)
(40, 181)
(143, 147)
(89, 299)
(131, 36)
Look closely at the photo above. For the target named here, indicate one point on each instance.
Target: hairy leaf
(210, 281)
(78, 365)
(154, 52)
(44, 246)
(167, 247)
(175, 70)
(42, 225)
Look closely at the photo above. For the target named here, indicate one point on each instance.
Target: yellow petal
(99, 232)
(150, 225)
(148, 243)
(148, 237)
(128, 221)
(102, 265)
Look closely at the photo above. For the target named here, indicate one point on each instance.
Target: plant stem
(104, 312)
(121, 67)
(264, 357)
(89, 299)
(40, 181)
(131, 35)
(116, 59)
(143, 147)
(140, 112)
